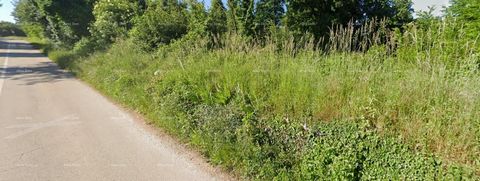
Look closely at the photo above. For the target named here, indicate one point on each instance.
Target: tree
(426, 19)
(197, 19)
(467, 11)
(268, 13)
(402, 12)
(317, 17)
(160, 24)
(232, 24)
(217, 18)
(241, 16)
(397, 12)
(68, 20)
(246, 16)
(113, 19)
(28, 16)
(63, 22)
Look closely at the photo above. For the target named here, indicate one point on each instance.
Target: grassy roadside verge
(273, 115)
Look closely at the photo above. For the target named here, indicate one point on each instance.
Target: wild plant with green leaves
(388, 100)
(161, 23)
(407, 108)
(113, 20)
(467, 12)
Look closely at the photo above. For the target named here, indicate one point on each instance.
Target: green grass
(269, 113)
(63, 58)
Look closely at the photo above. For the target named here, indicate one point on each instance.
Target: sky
(6, 11)
(7, 8)
(424, 4)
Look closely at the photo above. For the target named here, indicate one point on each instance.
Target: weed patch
(270, 114)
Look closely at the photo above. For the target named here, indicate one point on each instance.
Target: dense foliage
(279, 89)
(467, 11)
(101, 22)
(10, 29)
(161, 23)
(63, 22)
(217, 18)
(113, 19)
(300, 114)
(317, 17)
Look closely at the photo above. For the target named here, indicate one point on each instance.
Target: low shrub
(63, 58)
(85, 47)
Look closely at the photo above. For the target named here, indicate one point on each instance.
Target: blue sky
(7, 8)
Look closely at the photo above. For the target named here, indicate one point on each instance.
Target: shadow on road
(44, 72)
(16, 45)
(20, 55)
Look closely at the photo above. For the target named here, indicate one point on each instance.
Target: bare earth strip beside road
(54, 127)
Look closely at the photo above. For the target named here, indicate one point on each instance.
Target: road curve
(54, 127)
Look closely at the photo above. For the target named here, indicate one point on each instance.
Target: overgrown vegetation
(277, 96)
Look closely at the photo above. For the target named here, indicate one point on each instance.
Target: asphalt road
(55, 127)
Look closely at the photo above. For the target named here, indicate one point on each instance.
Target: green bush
(159, 25)
(113, 20)
(33, 31)
(85, 46)
(466, 11)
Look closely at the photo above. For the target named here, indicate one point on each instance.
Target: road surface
(54, 127)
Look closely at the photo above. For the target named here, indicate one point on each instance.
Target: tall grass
(376, 104)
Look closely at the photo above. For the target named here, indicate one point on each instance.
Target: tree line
(98, 23)
(10, 29)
